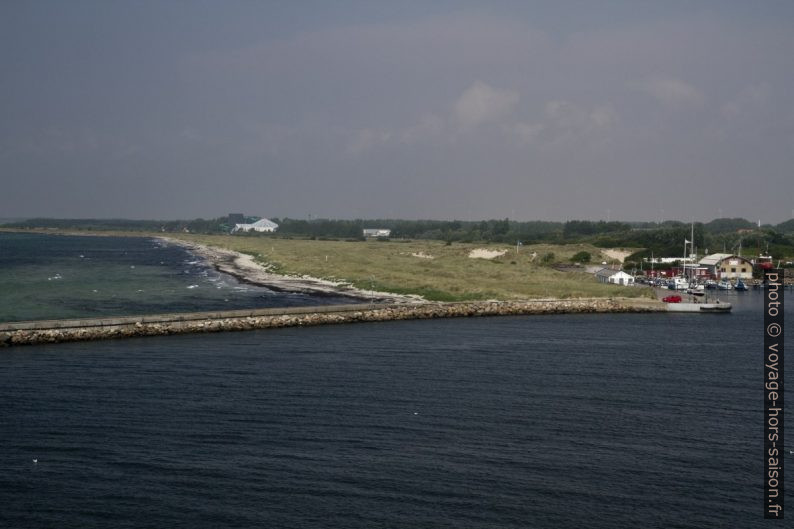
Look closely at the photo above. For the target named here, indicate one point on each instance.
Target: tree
(581, 257)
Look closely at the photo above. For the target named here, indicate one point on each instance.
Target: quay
(70, 330)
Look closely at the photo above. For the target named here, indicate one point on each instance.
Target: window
(733, 269)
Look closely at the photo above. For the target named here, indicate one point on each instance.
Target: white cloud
(565, 121)
(750, 100)
(482, 103)
(528, 132)
(365, 139)
(670, 91)
(603, 117)
(429, 126)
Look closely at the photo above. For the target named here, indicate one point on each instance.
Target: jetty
(85, 329)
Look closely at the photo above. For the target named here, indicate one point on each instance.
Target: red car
(672, 299)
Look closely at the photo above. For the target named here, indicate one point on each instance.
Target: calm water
(50, 276)
(570, 421)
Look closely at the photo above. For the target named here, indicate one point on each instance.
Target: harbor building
(735, 267)
(711, 263)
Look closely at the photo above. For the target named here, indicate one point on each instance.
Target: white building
(615, 277)
(262, 225)
(376, 232)
(735, 267)
(712, 262)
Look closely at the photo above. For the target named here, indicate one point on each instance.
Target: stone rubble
(84, 330)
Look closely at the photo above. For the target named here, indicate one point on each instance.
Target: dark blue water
(55, 276)
(567, 421)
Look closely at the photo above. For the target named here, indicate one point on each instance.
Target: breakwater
(53, 331)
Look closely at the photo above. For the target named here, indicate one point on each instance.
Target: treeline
(665, 239)
(503, 230)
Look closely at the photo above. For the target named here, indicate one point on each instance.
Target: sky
(616, 110)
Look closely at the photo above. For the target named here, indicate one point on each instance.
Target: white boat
(678, 283)
(724, 284)
(717, 307)
(696, 290)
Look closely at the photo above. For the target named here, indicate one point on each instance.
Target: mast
(692, 249)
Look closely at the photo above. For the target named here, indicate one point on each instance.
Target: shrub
(581, 257)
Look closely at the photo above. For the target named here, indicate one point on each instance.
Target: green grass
(450, 276)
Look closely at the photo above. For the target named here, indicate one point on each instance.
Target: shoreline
(245, 269)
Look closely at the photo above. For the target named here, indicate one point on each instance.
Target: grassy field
(450, 275)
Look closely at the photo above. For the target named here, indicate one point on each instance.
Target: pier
(84, 329)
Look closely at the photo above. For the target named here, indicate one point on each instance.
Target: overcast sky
(530, 110)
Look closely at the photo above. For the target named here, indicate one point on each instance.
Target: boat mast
(692, 249)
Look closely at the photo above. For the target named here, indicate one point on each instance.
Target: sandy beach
(245, 269)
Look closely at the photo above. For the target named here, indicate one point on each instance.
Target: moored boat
(717, 307)
(696, 290)
(740, 285)
(678, 283)
(724, 284)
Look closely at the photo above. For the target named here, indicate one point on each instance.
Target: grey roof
(713, 259)
(606, 272)
(265, 223)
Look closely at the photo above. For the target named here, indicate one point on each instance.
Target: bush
(547, 258)
(581, 257)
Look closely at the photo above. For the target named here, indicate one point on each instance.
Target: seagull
(35, 461)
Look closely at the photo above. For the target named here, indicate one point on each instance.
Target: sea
(63, 276)
(558, 421)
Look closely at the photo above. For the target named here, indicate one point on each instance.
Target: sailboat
(740, 285)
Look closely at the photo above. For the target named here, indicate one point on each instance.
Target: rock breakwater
(53, 331)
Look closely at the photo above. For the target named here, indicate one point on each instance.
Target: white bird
(35, 461)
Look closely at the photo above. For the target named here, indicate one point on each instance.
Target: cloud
(752, 99)
(670, 91)
(564, 121)
(429, 126)
(528, 132)
(365, 139)
(482, 103)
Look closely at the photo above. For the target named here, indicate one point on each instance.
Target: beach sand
(247, 270)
